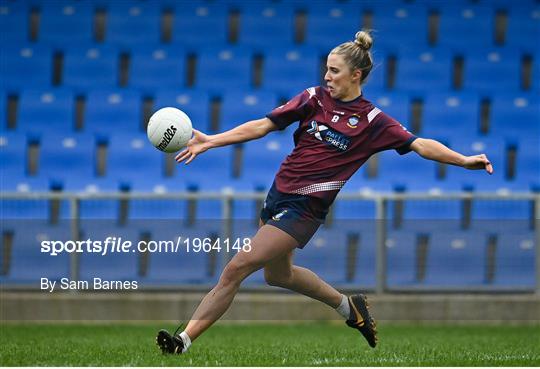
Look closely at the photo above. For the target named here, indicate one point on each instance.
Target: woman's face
(341, 82)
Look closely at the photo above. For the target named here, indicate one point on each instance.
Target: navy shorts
(298, 215)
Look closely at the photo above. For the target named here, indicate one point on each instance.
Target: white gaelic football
(169, 129)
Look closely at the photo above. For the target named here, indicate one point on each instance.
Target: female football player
(338, 131)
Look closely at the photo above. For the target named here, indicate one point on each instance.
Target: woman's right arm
(245, 132)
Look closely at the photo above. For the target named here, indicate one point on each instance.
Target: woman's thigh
(268, 244)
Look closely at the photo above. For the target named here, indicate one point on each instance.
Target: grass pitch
(296, 344)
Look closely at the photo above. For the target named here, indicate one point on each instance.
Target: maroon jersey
(333, 139)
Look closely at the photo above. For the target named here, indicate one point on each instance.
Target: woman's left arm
(434, 150)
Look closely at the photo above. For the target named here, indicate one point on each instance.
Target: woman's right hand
(198, 144)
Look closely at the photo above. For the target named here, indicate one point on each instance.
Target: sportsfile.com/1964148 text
(121, 245)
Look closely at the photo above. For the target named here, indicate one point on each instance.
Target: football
(169, 129)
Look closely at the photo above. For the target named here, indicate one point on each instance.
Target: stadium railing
(382, 221)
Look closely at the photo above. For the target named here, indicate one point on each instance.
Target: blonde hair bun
(356, 53)
(363, 40)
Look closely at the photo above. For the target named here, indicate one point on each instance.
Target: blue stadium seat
(91, 185)
(134, 161)
(66, 23)
(395, 104)
(368, 185)
(456, 259)
(437, 211)
(157, 209)
(14, 178)
(401, 258)
(515, 116)
(181, 266)
(501, 4)
(121, 266)
(210, 209)
(221, 68)
(344, 210)
(204, 171)
(13, 148)
(424, 71)
(239, 107)
(365, 273)
(426, 217)
(523, 30)
(343, 19)
(200, 23)
(289, 71)
(90, 209)
(514, 263)
(157, 68)
(13, 155)
(261, 161)
(325, 254)
(404, 170)
(63, 156)
(429, 225)
(466, 27)
(376, 81)
(90, 67)
(130, 24)
(490, 70)
(195, 103)
(399, 26)
(46, 110)
(29, 184)
(14, 23)
(113, 111)
(451, 115)
(34, 62)
(247, 212)
(478, 180)
(27, 264)
(266, 24)
(207, 228)
(528, 162)
(535, 78)
(16, 210)
(305, 5)
(492, 213)
(3, 111)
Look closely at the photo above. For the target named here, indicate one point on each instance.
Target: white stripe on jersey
(372, 114)
(311, 91)
(320, 187)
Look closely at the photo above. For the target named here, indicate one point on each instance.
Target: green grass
(313, 344)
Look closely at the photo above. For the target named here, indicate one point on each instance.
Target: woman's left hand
(477, 162)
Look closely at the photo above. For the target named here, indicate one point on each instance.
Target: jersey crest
(353, 121)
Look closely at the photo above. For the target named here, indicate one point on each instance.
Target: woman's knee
(236, 271)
